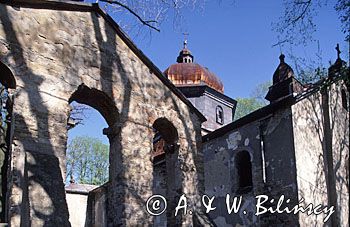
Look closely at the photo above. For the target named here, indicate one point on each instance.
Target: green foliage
(246, 106)
(87, 160)
(254, 102)
(260, 92)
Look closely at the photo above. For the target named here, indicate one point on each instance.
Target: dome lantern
(185, 55)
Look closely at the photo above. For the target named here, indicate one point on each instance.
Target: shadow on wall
(44, 165)
(37, 162)
(326, 119)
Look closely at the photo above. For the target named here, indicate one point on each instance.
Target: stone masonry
(61, 52)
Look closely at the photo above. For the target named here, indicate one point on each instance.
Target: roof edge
(50, 4)
(253, 116)
(148, 62)
(288, 100)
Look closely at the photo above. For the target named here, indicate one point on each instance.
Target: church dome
(187, 73)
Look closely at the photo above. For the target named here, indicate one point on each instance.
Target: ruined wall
(51, 53)
(274, 133)
(311, 154)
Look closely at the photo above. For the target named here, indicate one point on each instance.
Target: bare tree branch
(144, 22)
(302, 14)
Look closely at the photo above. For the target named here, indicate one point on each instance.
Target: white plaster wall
(77, 205)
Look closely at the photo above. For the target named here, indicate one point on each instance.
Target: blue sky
(234, 40)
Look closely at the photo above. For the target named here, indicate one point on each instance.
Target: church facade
(171, 134)
(295, 150)
(292, 153)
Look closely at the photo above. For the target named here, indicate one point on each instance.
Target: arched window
(244, 172)
(344, 99)
(219, 115)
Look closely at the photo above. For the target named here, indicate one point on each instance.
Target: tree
(260, 91)
(87, 161)
(246, 106)
(131, 13)
(254, 102)
(78, 114)
(297, 24)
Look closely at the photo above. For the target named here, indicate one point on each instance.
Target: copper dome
(187, 73)
(193, 74)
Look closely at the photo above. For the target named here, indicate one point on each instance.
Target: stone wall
(271, 134)
(299, 150)
(160, 188)
(311, 151)
(59, 56)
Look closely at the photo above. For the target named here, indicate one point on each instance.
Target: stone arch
(98, 100)
(101, 102)
(167, 130)
(165, 148)
(105, 105)
(7, 80)
(7, 77)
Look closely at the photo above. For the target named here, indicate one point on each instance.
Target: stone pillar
(130, 175)
(174, 184)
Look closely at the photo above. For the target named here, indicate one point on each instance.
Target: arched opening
(244, 172)
(165, 146)
(88, 153)
(7, 81)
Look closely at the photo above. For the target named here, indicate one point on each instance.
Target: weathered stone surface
(52, 53)
(290, 148)
(221, 171)
(310, 134)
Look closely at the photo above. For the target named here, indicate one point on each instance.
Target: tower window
(344, 99)
(219, 115)
(244, 172)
